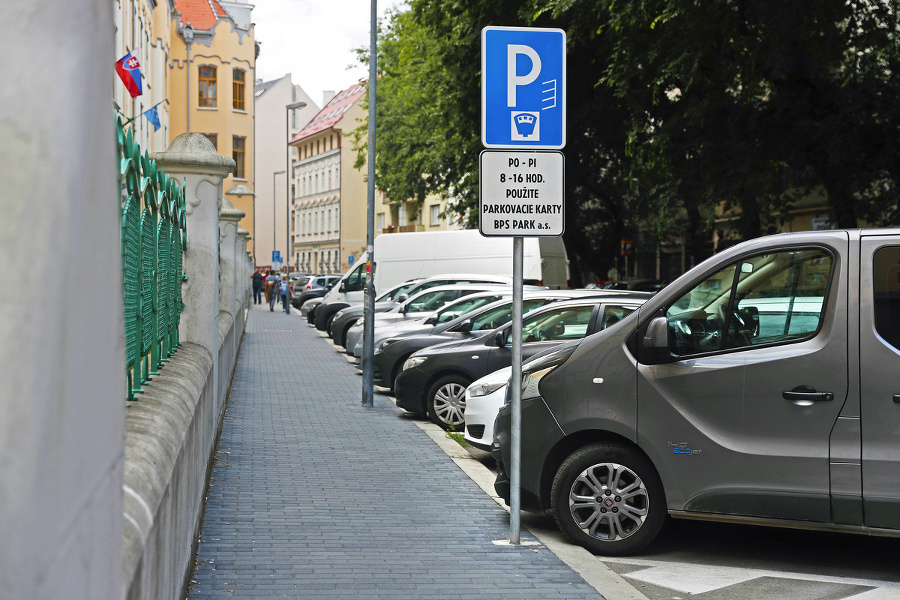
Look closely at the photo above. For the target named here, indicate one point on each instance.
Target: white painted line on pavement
(687, 576)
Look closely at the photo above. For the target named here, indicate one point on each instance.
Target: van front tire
(609, 499)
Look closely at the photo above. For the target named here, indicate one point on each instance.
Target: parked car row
(433, 380)
(760, 387)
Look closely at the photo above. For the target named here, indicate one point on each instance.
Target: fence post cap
(193, 152)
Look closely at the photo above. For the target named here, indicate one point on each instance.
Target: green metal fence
(154, 236)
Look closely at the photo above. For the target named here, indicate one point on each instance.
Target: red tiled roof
(201, 14)
(333, 111)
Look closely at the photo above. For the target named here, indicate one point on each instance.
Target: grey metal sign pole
(521, 187)
(368, 391)
(515, 501)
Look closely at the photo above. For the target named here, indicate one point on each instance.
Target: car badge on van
(683, 448)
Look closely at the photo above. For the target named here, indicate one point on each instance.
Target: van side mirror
(656, 339)
(343, 287)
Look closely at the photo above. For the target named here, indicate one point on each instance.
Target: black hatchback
(434, 380)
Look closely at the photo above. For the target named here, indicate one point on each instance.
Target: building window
(237, 153)
(214, 138)
(329, 219)
(379, 219)
(435, 210)
(237, 89)
(207, 86)
(401, 215)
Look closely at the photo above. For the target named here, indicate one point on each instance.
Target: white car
(484, 399)
(417, 308)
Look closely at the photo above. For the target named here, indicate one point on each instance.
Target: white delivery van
(403, 256)
(400, 257)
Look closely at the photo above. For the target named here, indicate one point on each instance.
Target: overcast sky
(314, 41)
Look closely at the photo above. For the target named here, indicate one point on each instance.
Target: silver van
(763, 387)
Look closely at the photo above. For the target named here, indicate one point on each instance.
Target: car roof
(459, 286)
(634, 298)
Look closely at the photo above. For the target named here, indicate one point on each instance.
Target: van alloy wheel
(609, 499)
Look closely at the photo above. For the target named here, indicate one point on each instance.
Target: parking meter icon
(526, 126)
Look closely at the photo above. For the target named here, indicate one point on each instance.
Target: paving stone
(313, 495)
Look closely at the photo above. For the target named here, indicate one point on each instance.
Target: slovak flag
(129, 69)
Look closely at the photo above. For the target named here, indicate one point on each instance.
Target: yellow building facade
(143, 29)
(211, 76)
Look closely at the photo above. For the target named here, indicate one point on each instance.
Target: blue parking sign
(523, 85)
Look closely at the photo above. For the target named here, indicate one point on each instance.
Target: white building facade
(274, 126)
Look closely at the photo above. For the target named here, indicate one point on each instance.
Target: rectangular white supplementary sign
(522, 193)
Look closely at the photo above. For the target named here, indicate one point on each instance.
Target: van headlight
(383, 344)
(413, 361)
(533, 372)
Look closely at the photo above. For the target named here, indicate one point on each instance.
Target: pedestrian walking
(284, 291)
(272, 290)
(257, 286)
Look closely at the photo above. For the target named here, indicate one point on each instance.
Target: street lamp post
(274, 211)
(287, 209)
(188, 33)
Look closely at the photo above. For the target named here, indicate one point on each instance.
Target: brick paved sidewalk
(314, 496)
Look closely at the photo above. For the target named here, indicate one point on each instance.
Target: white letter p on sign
(513, 80)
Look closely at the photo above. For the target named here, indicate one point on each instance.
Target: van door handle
(805, 395)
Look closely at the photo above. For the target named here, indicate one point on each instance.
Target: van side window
(356, 280)
(886, 278)
(764, 299)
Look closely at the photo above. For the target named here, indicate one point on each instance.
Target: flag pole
(146, 111)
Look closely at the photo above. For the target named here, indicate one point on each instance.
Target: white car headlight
(483, 389)
(414, 361)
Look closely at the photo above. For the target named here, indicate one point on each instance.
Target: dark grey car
(434, 380)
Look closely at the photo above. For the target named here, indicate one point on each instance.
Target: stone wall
(171, 430)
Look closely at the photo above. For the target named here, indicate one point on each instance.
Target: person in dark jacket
(257, 286)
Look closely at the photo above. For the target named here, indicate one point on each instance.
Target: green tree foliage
(677, 110)
(732, 99)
